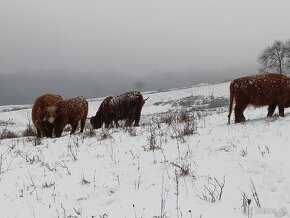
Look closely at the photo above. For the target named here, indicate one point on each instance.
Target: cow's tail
(232, 95)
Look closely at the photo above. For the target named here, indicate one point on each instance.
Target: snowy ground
(116, 174)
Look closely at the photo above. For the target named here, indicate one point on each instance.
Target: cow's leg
(58, 132)
(83, 122)
(49, 131)
(111, 124)
(38, 133)
(116, 123)
(58, 129)
(129, 122)
(46, 130)
(243, 117)
(107, 125)
(281, 111)
(73, 128)
(137, 118)
(42, 129)
(239, 116)
(271, 110)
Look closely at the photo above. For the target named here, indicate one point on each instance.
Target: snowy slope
(115, 174)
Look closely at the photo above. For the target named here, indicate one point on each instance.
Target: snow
(118, 176)
(126, 95)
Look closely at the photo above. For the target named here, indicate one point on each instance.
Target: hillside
(183, 161)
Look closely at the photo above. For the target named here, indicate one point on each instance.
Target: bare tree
(288, 53)
(275, 57)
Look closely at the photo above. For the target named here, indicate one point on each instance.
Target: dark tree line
(275, 57)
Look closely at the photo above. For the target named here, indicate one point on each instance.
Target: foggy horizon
(99, 48)
(28, 86)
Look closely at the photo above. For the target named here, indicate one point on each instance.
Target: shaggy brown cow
(69, 111)
(43, 127)
(259, 90)
(107, 118)
(127, 106)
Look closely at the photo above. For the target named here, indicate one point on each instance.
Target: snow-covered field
(195, 167)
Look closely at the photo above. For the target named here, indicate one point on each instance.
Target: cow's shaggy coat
(70, 111)
(261, 90)
(43, 127)
(125, 106)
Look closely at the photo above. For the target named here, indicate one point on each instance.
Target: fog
(101, 47)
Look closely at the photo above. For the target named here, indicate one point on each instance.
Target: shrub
(7, 134)
(152, 139)
(29, 131)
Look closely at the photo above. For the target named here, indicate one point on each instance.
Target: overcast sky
(101, 47)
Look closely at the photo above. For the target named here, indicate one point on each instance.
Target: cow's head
(96, 121)
(50, 114)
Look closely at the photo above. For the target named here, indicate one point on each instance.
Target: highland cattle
(38, 114)
(125, 106)
(270, 90)
(70, 111)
